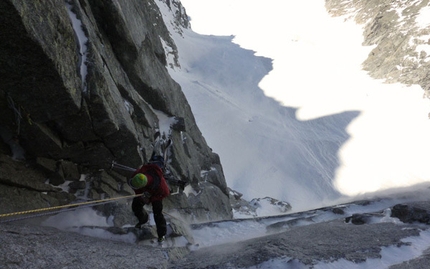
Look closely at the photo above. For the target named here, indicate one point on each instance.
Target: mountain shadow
(264, 148)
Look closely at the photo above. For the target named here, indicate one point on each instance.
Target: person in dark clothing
(149, 181)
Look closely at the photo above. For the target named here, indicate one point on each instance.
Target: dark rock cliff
(75, 98)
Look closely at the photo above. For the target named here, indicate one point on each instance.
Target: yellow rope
(66, 206)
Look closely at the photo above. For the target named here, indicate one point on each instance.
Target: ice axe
(122, 167)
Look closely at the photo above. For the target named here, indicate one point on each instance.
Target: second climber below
(149, 181)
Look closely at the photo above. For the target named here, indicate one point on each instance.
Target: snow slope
(295, 118)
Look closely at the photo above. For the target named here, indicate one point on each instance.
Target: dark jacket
(157, 186)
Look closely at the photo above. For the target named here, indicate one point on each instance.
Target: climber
(149, 181)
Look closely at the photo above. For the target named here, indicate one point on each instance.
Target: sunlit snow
(316, 69)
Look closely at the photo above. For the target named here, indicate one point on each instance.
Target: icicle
(83, 51)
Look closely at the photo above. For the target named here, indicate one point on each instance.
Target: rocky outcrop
(410, 213)
(250, 208)
(85, 83)
(302, 247)
(401, 41)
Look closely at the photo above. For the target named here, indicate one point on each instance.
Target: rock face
(85, 83)
(400, 39)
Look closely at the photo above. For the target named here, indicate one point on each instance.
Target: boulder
(411, 213)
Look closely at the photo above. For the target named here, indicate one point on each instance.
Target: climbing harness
(59, 209)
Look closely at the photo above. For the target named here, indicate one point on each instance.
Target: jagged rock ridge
(400, 41)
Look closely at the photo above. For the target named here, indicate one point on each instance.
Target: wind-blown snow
(88, 222)
(389, 256)
(304, 123)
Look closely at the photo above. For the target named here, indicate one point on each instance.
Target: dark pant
(142, 215)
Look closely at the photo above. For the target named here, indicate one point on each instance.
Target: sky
(316, 71)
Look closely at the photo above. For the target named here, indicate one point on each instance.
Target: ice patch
(83, 51)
